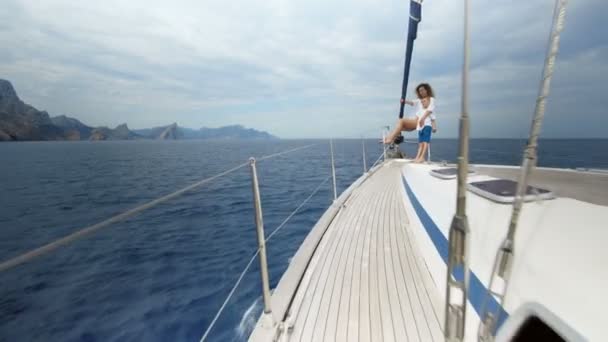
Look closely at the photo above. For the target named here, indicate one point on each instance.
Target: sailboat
(435, 251)
(440, 252)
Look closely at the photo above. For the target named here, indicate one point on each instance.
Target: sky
(303, 68)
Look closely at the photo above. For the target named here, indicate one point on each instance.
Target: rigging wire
(377, 160)
(503, 262)
(457, 287)
(242, 275)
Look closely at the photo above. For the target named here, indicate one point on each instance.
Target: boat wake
(248, 320)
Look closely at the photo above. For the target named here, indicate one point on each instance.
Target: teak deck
(365, 280)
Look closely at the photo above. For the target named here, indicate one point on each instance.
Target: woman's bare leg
(418, 153)
(407, 124)
(394, 133)
(425, 147)
(422, 148)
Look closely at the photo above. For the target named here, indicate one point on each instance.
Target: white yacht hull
(561, 260)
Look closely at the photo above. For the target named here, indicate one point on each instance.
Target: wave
(250, 317)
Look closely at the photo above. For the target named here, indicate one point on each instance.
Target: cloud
(298, 68)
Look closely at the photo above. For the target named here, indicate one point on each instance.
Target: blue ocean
(162, 275)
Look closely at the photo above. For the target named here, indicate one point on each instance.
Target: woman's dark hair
(426, 87)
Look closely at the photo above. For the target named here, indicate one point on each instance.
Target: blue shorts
(424, 135)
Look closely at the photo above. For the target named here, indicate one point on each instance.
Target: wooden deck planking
(366, 281)
(307, 278)
(405, 300)
(333, 281)
(310, 302)
(373, 294)
(388, 332)
(353, 314)
(427, 292)
(363, 314)
(389, 265)
(425, 312)
(339, 330)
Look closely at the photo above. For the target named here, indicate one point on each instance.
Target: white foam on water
(250, 317)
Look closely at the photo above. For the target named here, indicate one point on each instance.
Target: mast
(412, 31)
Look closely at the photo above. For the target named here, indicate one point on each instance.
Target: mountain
(20, 121)
(73, 128)
(170, 132)
(189, 133)
(174, 131)
(233, 132)
(121, 132)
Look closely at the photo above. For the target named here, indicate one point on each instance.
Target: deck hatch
(447, 173)
(503, 191)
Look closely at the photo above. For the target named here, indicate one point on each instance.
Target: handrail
(364, 161)
(240, 278)
(32, 254)
(259, 223)
(333, 167)
(384, 131)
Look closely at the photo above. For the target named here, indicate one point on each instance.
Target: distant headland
(22, 122)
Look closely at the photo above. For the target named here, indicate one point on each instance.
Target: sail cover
(415, 18)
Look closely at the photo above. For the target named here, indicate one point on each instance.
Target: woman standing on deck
(424, 121)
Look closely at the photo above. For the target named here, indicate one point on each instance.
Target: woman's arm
(411, 103)
(429, 110)
(425, 115)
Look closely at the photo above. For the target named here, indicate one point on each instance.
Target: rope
(23, 258)
(240, 278)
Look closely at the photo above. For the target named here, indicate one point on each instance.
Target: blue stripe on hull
(477, 290)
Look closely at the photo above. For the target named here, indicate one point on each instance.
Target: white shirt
(421, 110)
